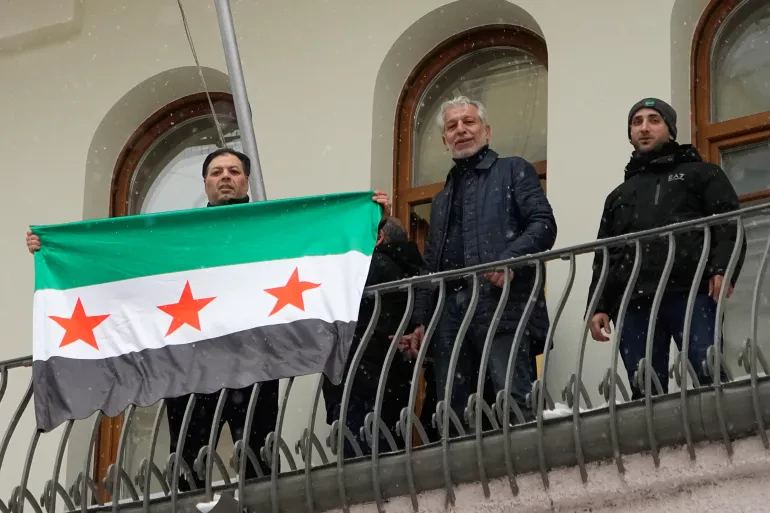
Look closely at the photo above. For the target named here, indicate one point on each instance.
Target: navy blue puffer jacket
(505, 215)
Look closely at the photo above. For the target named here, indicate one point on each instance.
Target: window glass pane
(422, 212)
(168, 176)
(748, 167)
(737, 323)
(749, 171)
(741, 63)
(513, 86)
(418, 224)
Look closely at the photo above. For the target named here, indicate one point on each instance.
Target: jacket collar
(490, 156)
(404, 253)
(234, 201)
(488, 160)
(670, 155)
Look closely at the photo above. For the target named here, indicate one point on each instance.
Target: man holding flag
(225, 176)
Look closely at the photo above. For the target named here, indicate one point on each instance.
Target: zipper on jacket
(657, 192)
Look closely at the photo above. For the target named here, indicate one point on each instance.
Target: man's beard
(650, 149)
(464, 154)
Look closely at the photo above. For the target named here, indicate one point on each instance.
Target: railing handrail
(13, 363)
(561, 253)
(554, 254)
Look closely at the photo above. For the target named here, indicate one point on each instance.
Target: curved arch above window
(159, 168)
(489, 75)
(741, 63)
(730, 95)
(503, 66)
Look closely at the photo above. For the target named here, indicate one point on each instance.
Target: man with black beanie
(665, 183)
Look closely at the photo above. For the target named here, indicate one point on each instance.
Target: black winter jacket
(505, 215)
(669, 186)
(390, 262)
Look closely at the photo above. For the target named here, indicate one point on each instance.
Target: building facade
(106, 115)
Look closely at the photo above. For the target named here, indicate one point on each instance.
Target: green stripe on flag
(107, 250)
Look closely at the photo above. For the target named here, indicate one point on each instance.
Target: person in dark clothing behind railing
(225, 180)
(394, 258)
(491, 208)
(665, 183)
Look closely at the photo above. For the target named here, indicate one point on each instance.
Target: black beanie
(665, 110)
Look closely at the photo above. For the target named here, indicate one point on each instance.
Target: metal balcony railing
(721, 412)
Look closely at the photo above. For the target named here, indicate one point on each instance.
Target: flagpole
(240, 98)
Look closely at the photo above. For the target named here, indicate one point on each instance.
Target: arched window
(731, 123)
(503, 66)
(160, 167)
(159, 170)
(731, 92)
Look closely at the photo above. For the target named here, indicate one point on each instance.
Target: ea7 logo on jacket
(675, 176)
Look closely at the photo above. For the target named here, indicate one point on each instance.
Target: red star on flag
(79, 327)
(186, 310)
(291, 293)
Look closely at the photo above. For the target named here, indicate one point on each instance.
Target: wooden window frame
(712, 138)
(406, 196)
(139, 143)
(150, 131)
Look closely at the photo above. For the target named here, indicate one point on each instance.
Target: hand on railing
(715, 286)
(497, 278)
(600, 324)
(410, 344)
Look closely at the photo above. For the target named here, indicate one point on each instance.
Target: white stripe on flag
(136, 323)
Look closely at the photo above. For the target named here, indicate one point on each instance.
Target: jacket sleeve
(392, 304)
(536, 215)
(382, 270)
(424, 296)
(608, 299)
(378, 269)
(718, 196)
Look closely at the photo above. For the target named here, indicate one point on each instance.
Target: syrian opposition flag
(134, 309)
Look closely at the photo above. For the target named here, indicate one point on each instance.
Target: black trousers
(234, 413)
(466, 372)
(669, 324)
